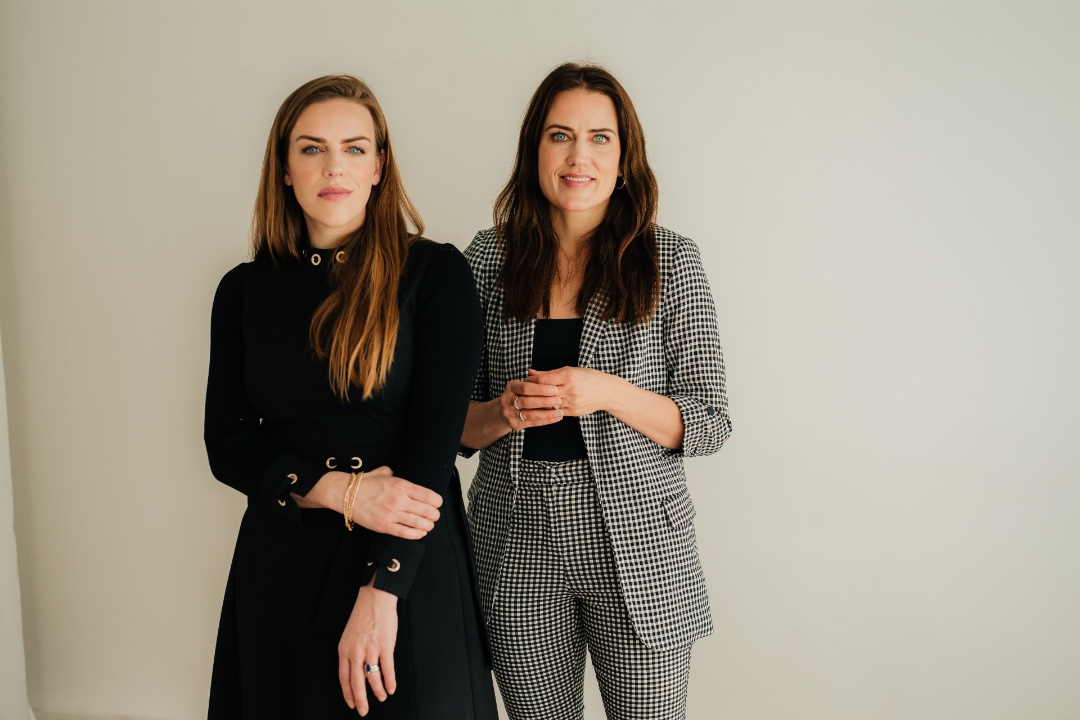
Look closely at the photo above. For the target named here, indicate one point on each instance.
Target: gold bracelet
(350, 498)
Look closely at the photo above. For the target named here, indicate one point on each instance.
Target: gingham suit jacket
(641, 485)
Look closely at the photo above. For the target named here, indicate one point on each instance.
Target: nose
(576, 153)
(334, 165)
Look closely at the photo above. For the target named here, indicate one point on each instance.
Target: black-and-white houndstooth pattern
(642, 486)
(558, 594)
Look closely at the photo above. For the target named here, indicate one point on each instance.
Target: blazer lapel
(593, 330)
(518, 337)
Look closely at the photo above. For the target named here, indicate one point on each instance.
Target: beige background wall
(886, 196)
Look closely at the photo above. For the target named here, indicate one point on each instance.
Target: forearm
(655, 416)
(328, 493)
(484, 424)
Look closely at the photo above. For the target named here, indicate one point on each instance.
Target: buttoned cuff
(701, 426)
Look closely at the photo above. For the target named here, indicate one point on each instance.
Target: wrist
(497, 424)
(376, 595)
(329, 492)
(616, 393)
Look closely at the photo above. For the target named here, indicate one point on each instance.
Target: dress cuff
(289, 474)
(395, 562)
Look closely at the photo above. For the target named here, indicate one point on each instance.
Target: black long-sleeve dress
(275, 426)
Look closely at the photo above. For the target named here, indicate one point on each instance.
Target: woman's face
(579, 156)
(332, 166)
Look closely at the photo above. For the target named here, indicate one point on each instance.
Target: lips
(575, 179)
(334, 193)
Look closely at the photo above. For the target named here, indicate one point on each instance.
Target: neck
(571, 229)
(322, 238)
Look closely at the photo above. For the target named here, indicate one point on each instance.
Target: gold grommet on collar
(316, 258)
(394, 566)
(340, 256)
(281, 503)
(357, 463)
(293, 478)
(330, 462)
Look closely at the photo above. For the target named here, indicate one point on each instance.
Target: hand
(369, 638)
(526, 404)
(392, 505)
(384, 503)
(581, 391)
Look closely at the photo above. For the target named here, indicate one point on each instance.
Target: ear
(288, 180)
(377, 176)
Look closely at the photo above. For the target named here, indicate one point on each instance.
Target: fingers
(535, 402)
(389, 677)
(529, 404)
(521, 419)
(424, 495)
(425, 515)
(344, 677)
(405, 532)
(530, 387)
(373, 671)
(359, 688)
(550, 378)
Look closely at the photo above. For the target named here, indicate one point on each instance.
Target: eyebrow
(312, 138)
(564, 127)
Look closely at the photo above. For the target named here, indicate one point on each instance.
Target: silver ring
(520, 419)
(371, 668)
(516, 406)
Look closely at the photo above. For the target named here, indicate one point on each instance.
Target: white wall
(886, 197)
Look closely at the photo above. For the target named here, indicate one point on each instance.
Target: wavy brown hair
(623, 262)
(356, 326)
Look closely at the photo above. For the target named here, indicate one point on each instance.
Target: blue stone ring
(370, 668)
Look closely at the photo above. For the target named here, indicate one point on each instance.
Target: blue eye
(355, 150)
(310, 150)
(560, 137)
(601, 139)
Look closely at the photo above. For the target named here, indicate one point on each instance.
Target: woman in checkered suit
(601, 371)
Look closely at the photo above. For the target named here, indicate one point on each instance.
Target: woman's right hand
(521, 405)
(526, 404)
(384, 503)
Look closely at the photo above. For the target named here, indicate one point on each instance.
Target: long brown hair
(623, 263)
(356, 326)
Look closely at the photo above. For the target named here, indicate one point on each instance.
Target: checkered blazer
(641, 485)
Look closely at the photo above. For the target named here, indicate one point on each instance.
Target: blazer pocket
(680, 509)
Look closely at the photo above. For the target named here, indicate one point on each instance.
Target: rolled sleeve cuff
(704, 426)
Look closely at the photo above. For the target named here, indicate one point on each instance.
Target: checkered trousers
(558, 594)
(641, 486)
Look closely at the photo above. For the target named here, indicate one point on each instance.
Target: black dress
(274, 426)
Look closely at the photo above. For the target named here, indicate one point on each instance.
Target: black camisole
(555, 345)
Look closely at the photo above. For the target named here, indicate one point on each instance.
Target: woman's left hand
(582, 391)
(369, 639)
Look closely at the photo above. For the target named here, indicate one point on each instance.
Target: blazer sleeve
(449, 339)
(239, 455)
(479, 257)
(694, 360)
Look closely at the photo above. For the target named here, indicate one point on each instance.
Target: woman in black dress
(345, 348)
